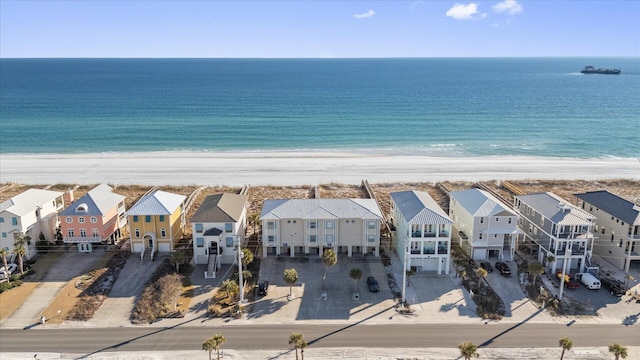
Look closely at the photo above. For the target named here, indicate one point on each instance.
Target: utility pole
(240, 279)
(404, 271)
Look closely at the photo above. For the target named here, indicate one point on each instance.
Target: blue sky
(319, 29)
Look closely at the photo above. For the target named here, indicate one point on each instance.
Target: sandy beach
(296, 168)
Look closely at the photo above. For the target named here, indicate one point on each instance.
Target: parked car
(263, 288)
(12, 268)
(615, 287)
(571, 284)
(4, 274)
(373, 285)
(487, 266)
(503, 268)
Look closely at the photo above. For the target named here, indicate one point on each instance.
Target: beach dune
(296, 168)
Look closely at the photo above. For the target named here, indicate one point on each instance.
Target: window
(137, 232)
(541, 221)
(198, 228)
(372, 224)
(200, 242)
(228, 227)
(328, 239)
(4, 234)
(271, 238)
(535, 231)
(497, 219)
(530, 228)
(83, 232)
(271, 225)
(135, 218)
(312, 224)
(481, 220)
(81, 220)
(229, 241)
(328, 224)
(70, 232)
(1, 219)
(603, 229)
(313, 238)
(480, 236)
(94, 219)
(509, 221)
(163, 232)
(161, 218)
(371, 238)
(69, 219)
(94, 232)
(147, 218)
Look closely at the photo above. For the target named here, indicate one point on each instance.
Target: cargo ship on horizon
(592, 70)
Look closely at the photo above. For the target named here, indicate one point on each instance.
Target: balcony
(82, 239)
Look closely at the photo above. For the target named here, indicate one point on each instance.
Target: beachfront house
(30, 213)
(487, 228)
(305, 227)
(423, 231)
(99, 215)
(617, 227)
(562, 231)
(156, 223)
(218, 227)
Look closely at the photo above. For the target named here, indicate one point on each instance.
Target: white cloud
(463, 12)
(415, 4)
(510, 7)
(365, 15)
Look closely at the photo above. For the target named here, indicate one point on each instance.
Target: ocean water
(431, 106)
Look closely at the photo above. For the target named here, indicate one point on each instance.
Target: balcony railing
(82, 239)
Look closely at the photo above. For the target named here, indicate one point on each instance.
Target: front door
(150, 243)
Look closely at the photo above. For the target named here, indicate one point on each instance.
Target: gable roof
(480, 203)
(419, 207)
(556, 209)
(98, 201)
(224, 207)
(28, 201)
(613, 205)
(157, 203)
(320, 209)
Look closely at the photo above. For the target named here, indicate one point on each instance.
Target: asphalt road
(256, 337)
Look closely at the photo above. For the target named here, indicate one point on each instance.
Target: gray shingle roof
(556, 209)
(220, 208)
(321, 209)
(613, 205)
(98, 201)
(418, 207)
(157, 203)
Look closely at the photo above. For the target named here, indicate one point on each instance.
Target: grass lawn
(11, 299)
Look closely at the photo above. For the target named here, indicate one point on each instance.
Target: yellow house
(156, 223)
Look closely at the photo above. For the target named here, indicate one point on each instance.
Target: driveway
(516, 303)
(66, 267)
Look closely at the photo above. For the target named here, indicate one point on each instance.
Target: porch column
(292, 251)
(349, 250)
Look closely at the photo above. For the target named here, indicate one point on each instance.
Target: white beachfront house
(617, 227)
(30, 213)
(218, 226)
(561, 230)
(423, 229)
(487, 228)
(305, 227)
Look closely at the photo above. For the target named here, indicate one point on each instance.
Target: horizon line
(327, 58)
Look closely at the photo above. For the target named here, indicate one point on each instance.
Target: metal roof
(157, 203)
(556, 209)
(28, 201)
(418, 207)
(98, 201)
(613, 205)
(221, 208)
(480, 203)
(321, 209)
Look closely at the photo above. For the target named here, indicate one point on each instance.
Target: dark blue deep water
(434, 106)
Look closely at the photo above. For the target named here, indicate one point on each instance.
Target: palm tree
(298, 342)
(290, 277)
(355, 274)
(254, 219)
(247, 258)
(3, 253)
(535, 268)
(176, 258)
(468, 350)
(566, 344)
(482, 274)
(618, 351)
(329, 258)
(229, 286)
(214, 343)
(20, 249)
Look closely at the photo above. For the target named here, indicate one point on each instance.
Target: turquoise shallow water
(434, 106)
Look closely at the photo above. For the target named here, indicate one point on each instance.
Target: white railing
(142, 254)
(153, 252)
(82, 239)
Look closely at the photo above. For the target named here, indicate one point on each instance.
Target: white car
(4, 274)
(12, 268)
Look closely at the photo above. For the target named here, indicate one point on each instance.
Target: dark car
(615, 287)
(571, 284)
(487, 266)
(263, 288)
(503, 268)
(373, 285)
